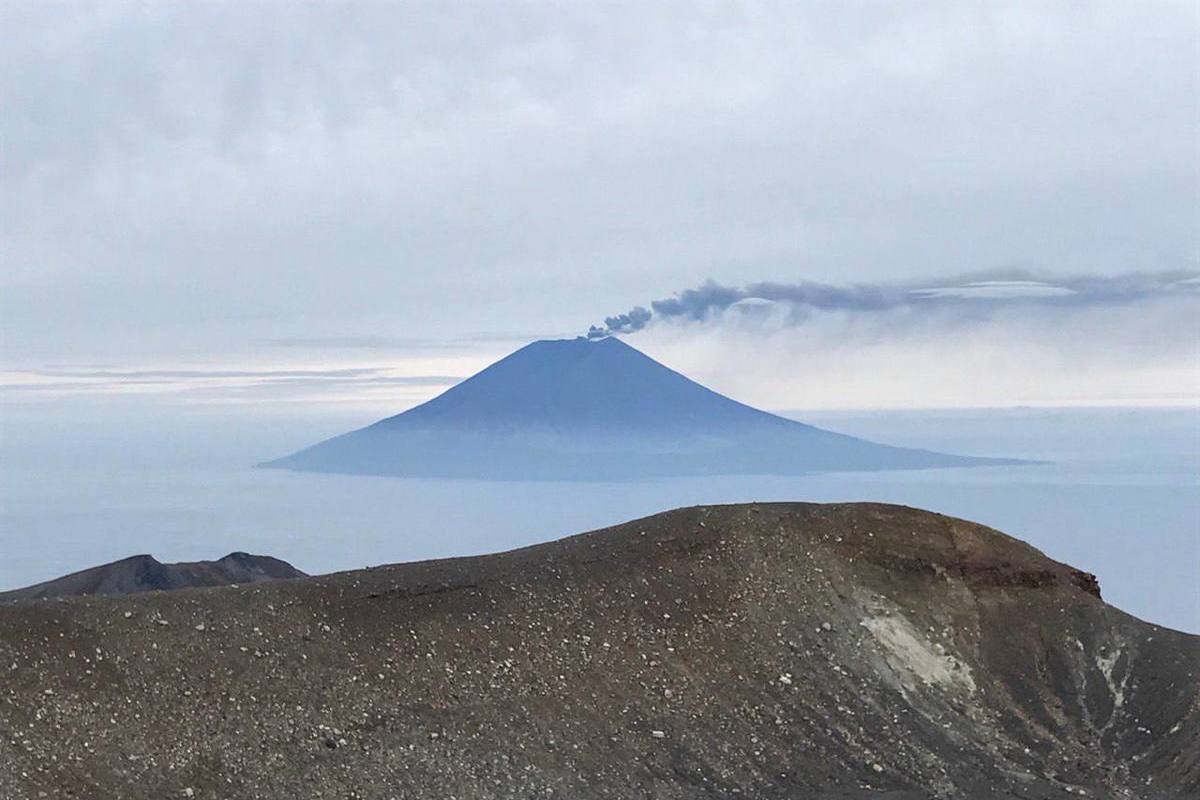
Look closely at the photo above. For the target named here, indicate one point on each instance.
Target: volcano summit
(579, 409)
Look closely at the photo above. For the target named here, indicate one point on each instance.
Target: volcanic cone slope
(767, 651)
(577, 409)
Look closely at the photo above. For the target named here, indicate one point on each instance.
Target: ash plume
(634, 320)
(996, 289)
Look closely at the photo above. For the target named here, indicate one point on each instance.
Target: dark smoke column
(635, 320)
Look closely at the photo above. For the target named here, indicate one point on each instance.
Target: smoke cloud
(978, 292)
(634, 320)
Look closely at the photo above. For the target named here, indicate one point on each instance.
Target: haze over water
(129, 476)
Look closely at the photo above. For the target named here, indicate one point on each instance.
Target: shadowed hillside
(798, 651)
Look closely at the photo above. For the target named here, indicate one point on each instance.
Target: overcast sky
(295, 189)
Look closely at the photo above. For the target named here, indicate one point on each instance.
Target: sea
(1117, 492)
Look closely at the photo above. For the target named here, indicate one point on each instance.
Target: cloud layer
(334, 385)
(238, 172)
(296, 185)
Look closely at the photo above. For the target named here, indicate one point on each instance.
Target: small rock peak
(142, 559)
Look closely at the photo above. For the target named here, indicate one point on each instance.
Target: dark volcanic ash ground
(773, 651)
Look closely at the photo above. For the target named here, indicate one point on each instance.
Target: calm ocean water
(82, 486)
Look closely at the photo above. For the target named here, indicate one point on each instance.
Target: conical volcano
(580, 409)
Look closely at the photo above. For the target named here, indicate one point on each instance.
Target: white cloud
(996, 290)
(1141, 354)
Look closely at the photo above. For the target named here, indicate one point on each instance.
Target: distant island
(580, 409)
(144, 573)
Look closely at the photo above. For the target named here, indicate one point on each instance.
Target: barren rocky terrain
(759, 651)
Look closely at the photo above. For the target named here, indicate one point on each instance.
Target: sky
(359, 204)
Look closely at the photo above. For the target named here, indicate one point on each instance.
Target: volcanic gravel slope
(790, 650)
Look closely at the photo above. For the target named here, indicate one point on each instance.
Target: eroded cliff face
(782, 650)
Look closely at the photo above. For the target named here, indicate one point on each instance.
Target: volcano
(580, 409)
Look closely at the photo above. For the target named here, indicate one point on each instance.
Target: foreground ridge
(774, 650)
